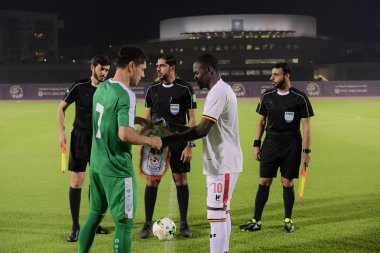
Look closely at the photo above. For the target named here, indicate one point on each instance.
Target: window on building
(195, 48)
(257, 48)
(218, 48)
(237, 72)
(203, 48)
(263, 61)
(253, 72)
(226, 48)
(295, 60)
(224, 72)
(224, 61)
(266, 72)
(249, 47)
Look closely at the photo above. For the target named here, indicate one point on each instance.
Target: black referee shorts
(80, 150)
(282, 152)
(176, 165)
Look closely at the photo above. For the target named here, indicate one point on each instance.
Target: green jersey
(114, 105)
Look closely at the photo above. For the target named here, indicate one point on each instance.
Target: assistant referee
(281, 110)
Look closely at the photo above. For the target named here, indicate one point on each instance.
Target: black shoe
(146, 230)
(185, 230)
(102, 231)
(73, 236)
(251, 225)
(288, 225)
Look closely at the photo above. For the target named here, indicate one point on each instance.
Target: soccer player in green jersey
(112, 179)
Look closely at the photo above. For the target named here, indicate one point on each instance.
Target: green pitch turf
(340, 211)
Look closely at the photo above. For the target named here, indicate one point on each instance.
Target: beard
(280, 84)
(99, 79)
(164, 77)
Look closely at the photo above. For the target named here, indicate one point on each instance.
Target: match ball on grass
(164, 229)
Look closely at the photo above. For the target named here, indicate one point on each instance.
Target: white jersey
(221, 147)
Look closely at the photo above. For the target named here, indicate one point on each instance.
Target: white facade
(300, 26)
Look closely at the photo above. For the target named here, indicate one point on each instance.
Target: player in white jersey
(222, 155)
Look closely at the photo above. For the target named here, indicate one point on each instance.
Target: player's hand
(187, 154)
(257, 153)
(62, 137)
(155, 142)
(306, 159)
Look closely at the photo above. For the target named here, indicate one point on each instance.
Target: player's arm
(306, 130)
(60, 121)
(148, 113)
(128, 134)
(187, 153)
(193, 133)
(260, 126)
(191, 117)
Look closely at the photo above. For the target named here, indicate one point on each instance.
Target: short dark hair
(284, 66)
(208, 60)
(169, 59)
(100, 59)
(128, 54)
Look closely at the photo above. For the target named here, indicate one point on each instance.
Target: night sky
(99, 23)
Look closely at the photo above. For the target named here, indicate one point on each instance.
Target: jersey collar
(167, 85)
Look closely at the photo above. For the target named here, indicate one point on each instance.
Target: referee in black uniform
(81, 93)
(174, 100)
(281, 110)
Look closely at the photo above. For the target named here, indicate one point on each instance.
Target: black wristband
(256, 143)
(306, 150)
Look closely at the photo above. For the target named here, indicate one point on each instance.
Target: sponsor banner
(241, 89)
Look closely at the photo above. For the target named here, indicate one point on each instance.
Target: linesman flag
(301, 188)
(63, 158)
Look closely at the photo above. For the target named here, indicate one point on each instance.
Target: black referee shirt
(171, 101)
(81, 92)
(284, 112)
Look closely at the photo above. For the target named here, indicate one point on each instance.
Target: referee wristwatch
(306, 150)
(191, 144)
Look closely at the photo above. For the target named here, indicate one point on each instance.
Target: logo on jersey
(218, 197)
(174, 109)
(289, 116)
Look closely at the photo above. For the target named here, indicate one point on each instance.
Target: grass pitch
(340, 211)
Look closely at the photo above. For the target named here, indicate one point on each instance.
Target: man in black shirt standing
(281, 110)
(81, 92)
(174, 101)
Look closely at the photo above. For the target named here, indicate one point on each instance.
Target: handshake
(158, 127)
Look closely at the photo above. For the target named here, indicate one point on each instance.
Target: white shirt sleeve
(214, 104)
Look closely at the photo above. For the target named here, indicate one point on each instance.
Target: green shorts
(118, 194)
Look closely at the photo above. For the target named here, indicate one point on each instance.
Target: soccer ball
(164, 229)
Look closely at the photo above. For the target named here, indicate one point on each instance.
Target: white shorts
(219, 192)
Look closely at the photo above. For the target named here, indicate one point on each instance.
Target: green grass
(340, 211)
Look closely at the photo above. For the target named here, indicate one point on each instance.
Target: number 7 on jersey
(99, 109)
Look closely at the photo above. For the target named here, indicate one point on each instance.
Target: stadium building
(247, 45)
(28, 37)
